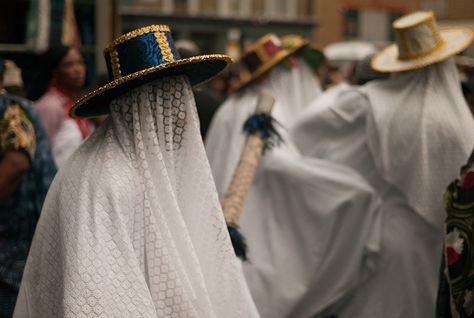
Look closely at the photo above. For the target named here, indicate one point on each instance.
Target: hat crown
(262, 51)
(417, 35)
(261, 56)
(139, 50)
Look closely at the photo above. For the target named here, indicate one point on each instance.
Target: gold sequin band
(129, 77)
(137, 32)
(164, 47)
(114, 61)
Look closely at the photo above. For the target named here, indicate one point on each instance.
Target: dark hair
(37, 71)
(2, 69)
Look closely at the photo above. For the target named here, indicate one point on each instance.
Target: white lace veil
(132, 225)
(421, 132)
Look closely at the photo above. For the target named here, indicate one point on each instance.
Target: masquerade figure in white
(132, 226)
(407, 135)
(296, 207)
(266, 67)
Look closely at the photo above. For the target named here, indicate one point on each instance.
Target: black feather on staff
(238, 242)
(264, 125)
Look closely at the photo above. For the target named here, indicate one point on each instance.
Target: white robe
(407, 136)
(297, 210)
(132, 226)
(311, 229)
(67, 140)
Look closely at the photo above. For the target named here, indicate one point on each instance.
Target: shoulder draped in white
(132, 226)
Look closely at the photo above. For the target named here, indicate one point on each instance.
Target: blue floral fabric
(139, 53)
(19, 213)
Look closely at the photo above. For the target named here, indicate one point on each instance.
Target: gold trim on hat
(133, 34)
(422, 61)
(164, 47)
(429, 16)
(132, 76)
(434, 46)
(114, 61)
(246, 76)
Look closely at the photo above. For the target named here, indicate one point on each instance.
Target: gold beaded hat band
(139, 57)
(420, 43)
(260, 57)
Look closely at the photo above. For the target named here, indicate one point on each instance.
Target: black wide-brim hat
(139, 57)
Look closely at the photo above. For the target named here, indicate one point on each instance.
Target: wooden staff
(241, 182)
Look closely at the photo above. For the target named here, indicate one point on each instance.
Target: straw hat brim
(456, 40)
(280, 56)
(197, 68)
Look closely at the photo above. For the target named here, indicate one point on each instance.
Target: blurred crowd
(345, 214)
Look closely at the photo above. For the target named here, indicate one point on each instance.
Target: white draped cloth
(67, 140)
(407, 136)
(310, 225)
(293, 89)
(132, 226)
(311, 230)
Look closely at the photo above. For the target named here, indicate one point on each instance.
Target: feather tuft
(264, 125)
(238, 242)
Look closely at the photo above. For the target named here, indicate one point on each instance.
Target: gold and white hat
(420, 43)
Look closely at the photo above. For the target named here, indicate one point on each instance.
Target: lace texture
(132, 226)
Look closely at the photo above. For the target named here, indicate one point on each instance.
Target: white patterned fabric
(132, 226)
(407, 136)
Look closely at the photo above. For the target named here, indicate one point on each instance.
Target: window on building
(359, 24)
(281, 9)
(234, 8)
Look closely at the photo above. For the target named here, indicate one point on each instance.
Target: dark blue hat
(139, 57)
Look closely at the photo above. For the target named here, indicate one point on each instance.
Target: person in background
(26, 171)
(63, 71)
(306, 59)
(265, 66)
(298, 209)
(456, 285)
(407, 135)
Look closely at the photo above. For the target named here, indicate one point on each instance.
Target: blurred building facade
(371, 20)
(215, 25)
(220, 25)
